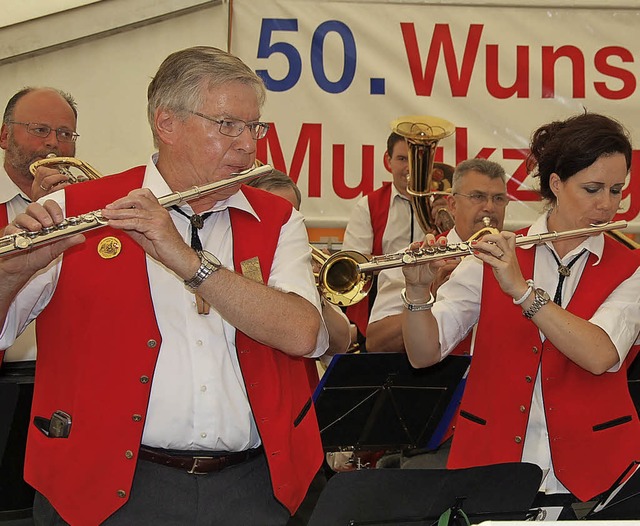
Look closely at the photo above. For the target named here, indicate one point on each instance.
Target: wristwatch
(208, 265)
(541, 298)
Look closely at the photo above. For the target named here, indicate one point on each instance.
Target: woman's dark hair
(566, 147)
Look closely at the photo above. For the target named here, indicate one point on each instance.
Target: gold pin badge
(251, 269)
(109, 247)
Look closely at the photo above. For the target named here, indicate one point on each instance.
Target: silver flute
(13, 243)
(429, 254)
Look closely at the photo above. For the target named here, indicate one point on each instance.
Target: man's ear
(165, 124)
(387, 162)
(451, 204)
(4, 137)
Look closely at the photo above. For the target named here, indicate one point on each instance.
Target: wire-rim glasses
(43, 131)
(499, 200)
(234, 127)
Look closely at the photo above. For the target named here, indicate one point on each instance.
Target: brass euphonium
(64, 165)
(426, 180)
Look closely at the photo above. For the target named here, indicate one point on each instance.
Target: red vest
(98, 365)
(379, 203)
(4, 218)
(4, 221)
(594, 432)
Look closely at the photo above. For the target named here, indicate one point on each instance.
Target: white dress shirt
(198, 398)
(397, 235)
(618, 316)
(24, 348)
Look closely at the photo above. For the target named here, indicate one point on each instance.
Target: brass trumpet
(358, 267)
(338, 280)
(12, 243)
(64, 164)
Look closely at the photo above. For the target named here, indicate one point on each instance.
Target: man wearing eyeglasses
(478, 191)
(178, 394)
(36, 122)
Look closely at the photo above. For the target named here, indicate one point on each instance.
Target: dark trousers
(165, 496)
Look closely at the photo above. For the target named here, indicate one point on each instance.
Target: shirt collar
(8, 189)
(594, 244)
(154, 181)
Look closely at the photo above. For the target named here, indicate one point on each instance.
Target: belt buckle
(194, 466)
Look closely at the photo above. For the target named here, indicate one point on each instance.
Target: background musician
(382, 221)
(180, 395)
(479, 191)
(529, 395)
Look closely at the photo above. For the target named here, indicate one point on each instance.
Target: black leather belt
(197, 464)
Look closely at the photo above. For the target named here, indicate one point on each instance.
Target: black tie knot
(564, 271)
(197, 222)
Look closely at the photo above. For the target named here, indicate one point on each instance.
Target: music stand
(378, 401)
(417, 497)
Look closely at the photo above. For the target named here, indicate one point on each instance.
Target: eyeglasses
(43, 131)
(499, 200)
(233, 128)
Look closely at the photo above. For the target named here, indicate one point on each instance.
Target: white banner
(338, 73)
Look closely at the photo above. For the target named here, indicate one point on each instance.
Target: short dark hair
(569, 146)
(11, 105)
(392, 140)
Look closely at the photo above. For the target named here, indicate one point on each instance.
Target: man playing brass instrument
(479, 191)
(36, 122)
(178, 394)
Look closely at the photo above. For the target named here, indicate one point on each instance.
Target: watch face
(543, 295)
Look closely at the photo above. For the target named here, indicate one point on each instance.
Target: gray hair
(489, 168)
(183, 77)
(276, 179)
(11, 105)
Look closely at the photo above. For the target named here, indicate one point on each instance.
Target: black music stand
(418, 497)
(378, 401)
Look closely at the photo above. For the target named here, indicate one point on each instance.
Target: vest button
(535, 350)
(522, 409)
(121, 493)
(528, 379)
(518, 439)
(128, 454)
(144, 379)
(136, 418)
(152, 343)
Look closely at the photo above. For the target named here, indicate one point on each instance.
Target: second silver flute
(426, 255)
(13, 243)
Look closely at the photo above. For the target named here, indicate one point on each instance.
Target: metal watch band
(414, 307)
(541, 299)
(208, 265)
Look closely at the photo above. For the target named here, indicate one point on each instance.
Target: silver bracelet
(527, 293)
(414, 307)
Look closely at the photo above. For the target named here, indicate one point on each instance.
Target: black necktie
(197, 222)
(411, 208)
(563, 272)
